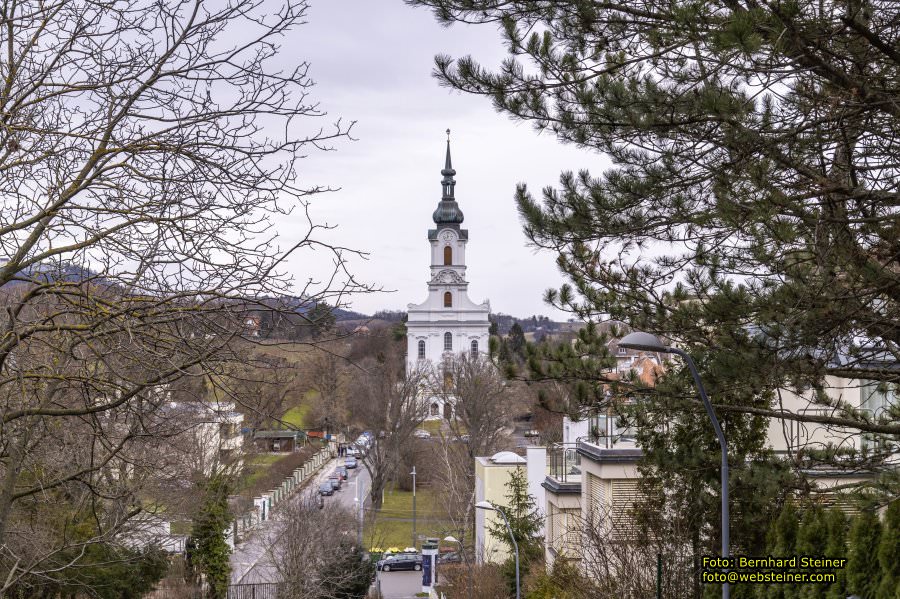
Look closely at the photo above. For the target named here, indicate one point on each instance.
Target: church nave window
(421, 349)
(448, 342)
(448, 299)
(448, 255)
(474, 348)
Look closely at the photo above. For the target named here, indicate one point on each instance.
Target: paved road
(399, 585)
(251, 561)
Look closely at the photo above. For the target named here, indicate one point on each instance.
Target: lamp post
(414, 507)
(462, 554)
(648, 342)
(487, 505)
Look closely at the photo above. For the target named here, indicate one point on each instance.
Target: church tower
(447, 323)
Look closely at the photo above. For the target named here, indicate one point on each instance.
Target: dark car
(451, 557)
(335, 481)
(403, 561)
(351, 463)
(343, 472)
(326, 488)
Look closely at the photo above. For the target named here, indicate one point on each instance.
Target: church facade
(447, 323)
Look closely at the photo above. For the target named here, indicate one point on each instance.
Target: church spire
(448, 212)
(448, 183)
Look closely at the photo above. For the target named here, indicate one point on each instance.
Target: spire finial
(448, 135)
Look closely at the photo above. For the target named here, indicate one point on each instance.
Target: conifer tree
(863, 569)
(812, 539)
(889, 553)
(782, 542)
(749, 203)
(210, 555)
(836, 547)
(525, 521)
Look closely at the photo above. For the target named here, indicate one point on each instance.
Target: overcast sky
(372, 62)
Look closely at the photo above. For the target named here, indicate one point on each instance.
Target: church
(447, 323)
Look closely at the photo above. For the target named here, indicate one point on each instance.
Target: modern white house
(594, 471)
(447, 323)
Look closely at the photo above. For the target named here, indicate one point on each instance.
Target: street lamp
(462, 554)
(648, 342)
(487, 505)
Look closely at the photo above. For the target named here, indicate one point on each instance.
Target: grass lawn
(432, 426)
(393, 523)
(296, 416)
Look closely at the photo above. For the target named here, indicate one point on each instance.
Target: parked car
(451, 557)
(351, 463)
(343, 472)
(403, 561)
(326, 488)
(353, 451)
(421, 434)
(336, 481)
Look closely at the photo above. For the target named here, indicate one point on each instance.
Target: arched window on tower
(475, 348)
(448, 255)
(421, 349)
(448, 299)
(448, 342)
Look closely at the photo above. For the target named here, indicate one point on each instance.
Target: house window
(448, 299)
(421, 349)
(474, 348)
(448, 255)
(448, 342)
(435, 409)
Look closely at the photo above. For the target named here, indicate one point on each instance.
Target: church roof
(448, 212)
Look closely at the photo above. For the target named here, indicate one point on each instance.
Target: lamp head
(451, 539)
(644, 341)
(485, 505)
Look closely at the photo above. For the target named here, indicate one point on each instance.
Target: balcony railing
(564, 462)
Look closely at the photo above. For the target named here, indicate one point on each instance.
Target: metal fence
(260, 590)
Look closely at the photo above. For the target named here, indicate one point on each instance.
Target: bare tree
(616, 558)
(390, 402)
(315, 553)
(144, 147)
(327, 376)
(481, 401)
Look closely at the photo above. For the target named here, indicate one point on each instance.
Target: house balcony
(564, 469)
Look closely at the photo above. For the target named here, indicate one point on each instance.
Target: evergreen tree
(525, 522)
(863, 569)
(889, 553)
(836, 547)
(210, 555)
(349, 576)
(516, 341)
(812, 539)
(752, 148)
(782, 542)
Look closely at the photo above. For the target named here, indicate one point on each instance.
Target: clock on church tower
(447, 323)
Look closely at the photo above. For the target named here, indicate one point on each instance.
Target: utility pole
(414, 507)
(360, 502)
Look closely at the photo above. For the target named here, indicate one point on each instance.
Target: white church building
(447, 323)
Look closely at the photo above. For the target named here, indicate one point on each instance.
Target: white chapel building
(447, 322)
